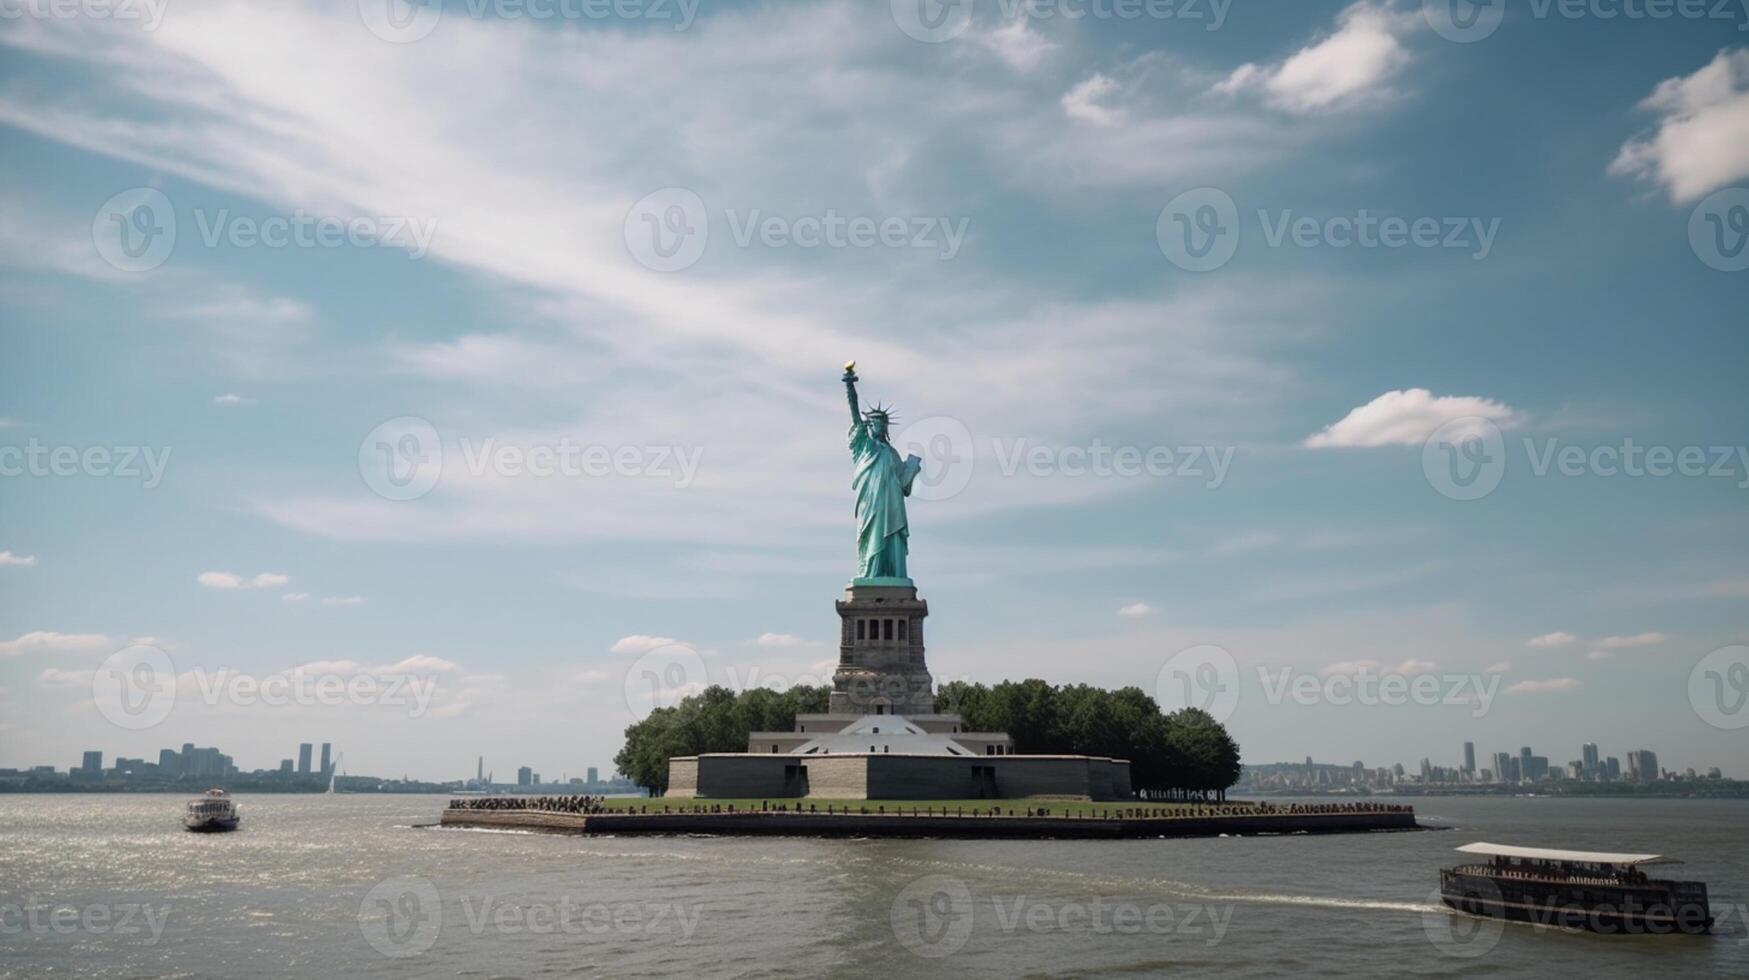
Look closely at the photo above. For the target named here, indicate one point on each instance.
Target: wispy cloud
(22, 561)
(227, 581)
(1555, 639)
(1552, 685)
(48, 641)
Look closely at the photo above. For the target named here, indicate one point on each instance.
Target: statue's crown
(882, 412)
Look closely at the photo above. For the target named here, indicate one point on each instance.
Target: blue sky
(489, 188)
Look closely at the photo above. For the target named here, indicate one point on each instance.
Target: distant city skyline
(467, 469)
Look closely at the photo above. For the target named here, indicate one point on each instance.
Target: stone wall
(897, 777)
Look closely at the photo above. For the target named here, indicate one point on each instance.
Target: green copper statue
(882, 482)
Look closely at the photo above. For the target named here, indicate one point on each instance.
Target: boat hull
(1623, 911)
(210, 825)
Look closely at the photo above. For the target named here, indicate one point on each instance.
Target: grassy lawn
(1055, 808)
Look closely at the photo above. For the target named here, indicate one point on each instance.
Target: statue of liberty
(882, 482)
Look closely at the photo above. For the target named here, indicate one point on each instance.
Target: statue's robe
(882, 482)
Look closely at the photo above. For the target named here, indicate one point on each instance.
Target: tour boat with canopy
(1594, 890)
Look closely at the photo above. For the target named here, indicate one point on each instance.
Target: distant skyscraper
(304, 758)
(1503, 766)
(1588, 757)
(93, 762)
(1612, 768)
(285, 767)
(325, 749)
(594, 774)
(480, 769)
(1469, 758)
(1642, 765)
(524, 776)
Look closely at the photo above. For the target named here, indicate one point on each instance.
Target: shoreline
(793, 824)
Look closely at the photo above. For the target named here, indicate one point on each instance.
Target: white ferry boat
(211, 813)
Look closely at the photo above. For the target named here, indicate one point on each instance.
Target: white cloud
(1598, 655)
(1135, 609)
(1405, 667)
(1082, 102)
(1555, 639)
(1553, 685)
(57, 677)
(640, 643)
(295, 596)
(1407, 418)
(229, 580)
(48, 641)
(1351, 64)
(1628, 642)
(777, 641)
(23, 561)
(1500, 668)
(232, 399)
(1701, 141)
(1019, 47)
(350, 600)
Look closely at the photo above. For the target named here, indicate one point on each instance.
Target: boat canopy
(1550, 854)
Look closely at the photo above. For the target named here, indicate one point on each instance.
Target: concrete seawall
(790, 824)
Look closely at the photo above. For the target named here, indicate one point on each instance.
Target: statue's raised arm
(850, 392)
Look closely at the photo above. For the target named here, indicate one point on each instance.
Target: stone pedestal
(881, 670)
